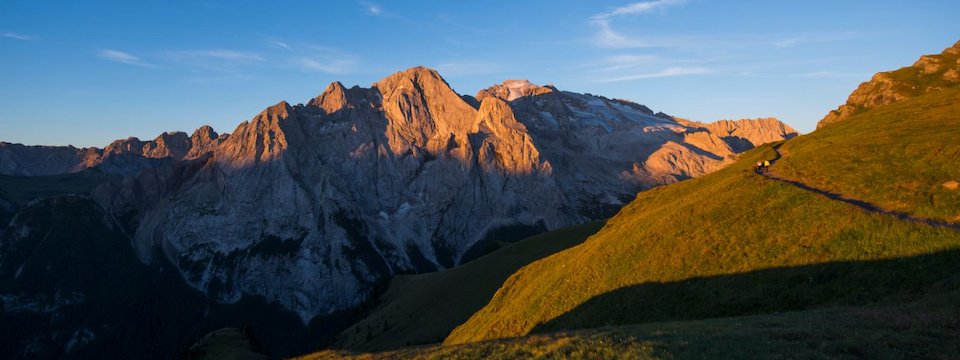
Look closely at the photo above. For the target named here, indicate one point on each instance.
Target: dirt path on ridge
(852, 201)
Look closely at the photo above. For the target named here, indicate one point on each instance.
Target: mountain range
(847, 246)
(310, 208)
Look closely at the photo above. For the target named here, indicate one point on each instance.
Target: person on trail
(766, 166)
(759, 167)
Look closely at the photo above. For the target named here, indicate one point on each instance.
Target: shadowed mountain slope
(923, 328)
(424, 308)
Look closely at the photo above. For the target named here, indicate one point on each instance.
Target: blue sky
(85, 73)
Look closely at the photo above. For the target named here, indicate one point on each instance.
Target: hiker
(766, 166)
(759, 167)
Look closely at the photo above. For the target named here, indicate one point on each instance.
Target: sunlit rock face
(311, 206)
(930, 73)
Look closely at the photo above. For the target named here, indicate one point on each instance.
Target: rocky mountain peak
(415, 77)
(510, 148)
(259, 140)
(927, 74)
(510, 90)
(175, 144)
(421, 108)
(203, 140)
(204, 133)
(333, 98)
(275, 112)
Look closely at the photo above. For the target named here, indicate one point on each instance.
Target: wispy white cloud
(374, 9)
(669, 72)
(792, 41)
(223, 60)
(281, 44)
(122, 57)
(638, 8)
(608, 37)
(325, 64)
(469, 68)
(319, 58)
(834, 75)
(18, 36)
(627, 61)
(220, 54)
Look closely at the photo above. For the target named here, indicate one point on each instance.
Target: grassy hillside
(923, 329)
(897, 156)
(734, 243)
(424, 308)
(226, 343)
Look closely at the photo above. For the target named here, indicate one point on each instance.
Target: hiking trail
(852, 201)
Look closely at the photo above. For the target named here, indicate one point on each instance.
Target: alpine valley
(293, 224)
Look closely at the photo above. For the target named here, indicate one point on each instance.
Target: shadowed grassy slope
(897, 156)
(728, 222)
(924, 329)
(424, 308)
(226, 343)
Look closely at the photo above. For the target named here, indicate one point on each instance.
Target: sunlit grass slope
(898, 156)
(424, 308)
(924, 329)
(697, 249)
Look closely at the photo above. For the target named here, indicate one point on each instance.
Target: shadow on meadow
(769, 290)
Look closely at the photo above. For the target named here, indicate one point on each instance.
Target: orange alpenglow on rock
(334, 197)
(929, 73)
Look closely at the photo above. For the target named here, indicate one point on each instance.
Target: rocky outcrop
(514, 89)
(744, 134)
(929, 73)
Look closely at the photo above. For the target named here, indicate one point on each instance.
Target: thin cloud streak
(18, 36)
(280, 44)
(638, 8)
(469, 68)
(814, 39)
(220, 54)
(834, 75)
(374, 9)
(319, 58)
(222, 60)
(122, 57)
(608, 37)
(669, 72)
(326, 65)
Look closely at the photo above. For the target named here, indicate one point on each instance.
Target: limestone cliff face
(311, 206)
(929, 73)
